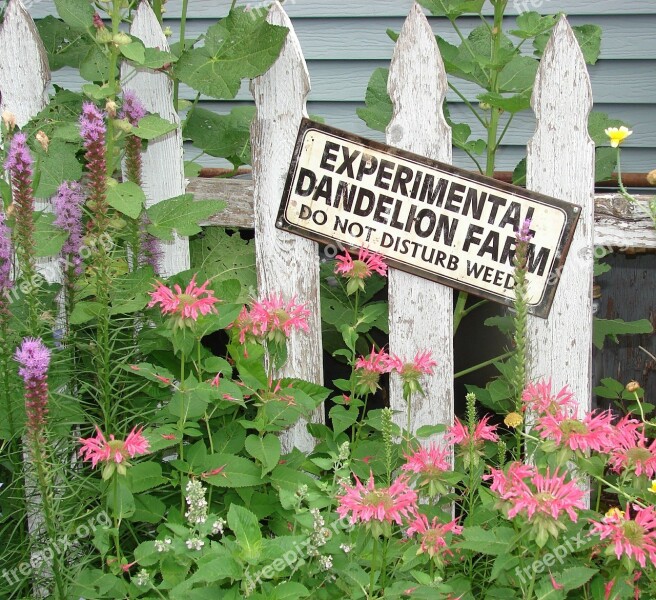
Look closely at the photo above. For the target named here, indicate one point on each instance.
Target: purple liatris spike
(34, 360)
(93, 131)
(524, 234)
(5, 256)
(68, 209)
(133, 110)
(151, 249)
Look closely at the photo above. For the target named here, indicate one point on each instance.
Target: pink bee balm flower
(432, 535)
(459, 434)
(630, 451)
(187, 305)
(410, 372)
(369, 369)
(510, 485)
(632, 537)
(380, 506)
(356, 271)
(539, 398)
(593, 432)
(429, 464)
(276, 318)
(114, 453)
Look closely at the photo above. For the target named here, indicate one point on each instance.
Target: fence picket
(561, 164)
(421, 312)
(163, 164)
(286, 263)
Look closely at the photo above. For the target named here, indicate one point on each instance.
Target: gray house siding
(345, 40)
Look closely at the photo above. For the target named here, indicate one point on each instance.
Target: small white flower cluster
(346, 548)
(197, 511)
(326, 562)
(320, 534)
(163, 545)
(218, 525)
(344, 451)
(302, 491)
(194, 543)
(142, 578)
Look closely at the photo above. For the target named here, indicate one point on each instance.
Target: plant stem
(459, 311)
(183, 44)
(493, 126)
(482, 365)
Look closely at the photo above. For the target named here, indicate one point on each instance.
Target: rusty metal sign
(425, 217)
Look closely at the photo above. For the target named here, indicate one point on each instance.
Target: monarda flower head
(630, 450)
(538, 398)
(377, 508)
(113, 453)
(34, 360)
(429, 465)
(68, 210)
(410, 372)
(433, 536)
(185, 307)
(368, 370)
(356, 271)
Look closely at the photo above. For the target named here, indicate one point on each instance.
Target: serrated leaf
(531, 24)
(181, 214)
(65, 46)
(452, 9)
(289, 590)
(76, 13)
(134, 51)
(95, 65)
(145, 476)
(265, 449)
(518, 75)
(605, 163)
(575, 577)
(49, 239)
(153, 126)
(378, 111)
(588, 37)
(154, 58)
(246, 527)
(511, 104)
(57, 165)
(226, 136)
(242, 45)
(342, 418)
(127, 198)
(236, 471)
(604, 328)
(598, 122)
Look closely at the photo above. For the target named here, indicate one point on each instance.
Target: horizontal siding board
(209, 9)
(631, 37)
(613, 82)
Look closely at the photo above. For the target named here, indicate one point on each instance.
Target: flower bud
(651, 177)
(123, 125)
(43, 139)
(9, 119)
(103, 35)
(168, 32)
(122, 39)
(632, 386)
(110, 108)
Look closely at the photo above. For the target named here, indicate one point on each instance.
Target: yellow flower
(653, 486)
(615, 513)
(617, 136)
(513, 420)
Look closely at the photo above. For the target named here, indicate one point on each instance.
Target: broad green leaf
(95, 65)
(48, 238)
(378, 111)
(493, 542)
(134, 51)
(242, 45)
(428, 430)
(57, 165)
(153, 126)
(181, 214)
(155, 58)
(605, 163)
(245, 526)
(163, 377)
(235, 471)
(519, 173)
(518, 75)
(342, 418)
(226, 136)
(511, 104)
(145, 476)
(76, 13)
(121, 503)
(218, 565)
(531, 24)
(127, 198)
(265, 449)
(604, 328)
(65, 46)
(289, 590)
(588, 36)
(598, 122)
(148, 509)
(452, 9)
(130, 291)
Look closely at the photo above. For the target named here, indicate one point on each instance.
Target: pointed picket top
(163, 161)
(286, 263)
(24, 71)
(561, 163)
(421, 312)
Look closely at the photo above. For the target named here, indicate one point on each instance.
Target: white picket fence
(560, 164)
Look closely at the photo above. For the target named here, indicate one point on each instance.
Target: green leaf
(134, 51)
(511, 104)
(378, 111)
(428, 430)
(57, 165)
(575, 577)
(605, 163)
(155, 58)
(76, 13)
(452, 9)
(226, 136)
(65, 46)
(245, 526)
(342, 418)
(153, 126)
(598, 122)
(518, 75)
(163, 377)
(218, 565)
(289, 590)
(95, 65)
(49, 239)
(492, 542)
(613, 327)
(519, 173)
(265, 449)
(236, 471)
(127, 198)
(181, 214)
(588, 37)
(531, 24)
(145, 476)
(121, 504)
(242, 45)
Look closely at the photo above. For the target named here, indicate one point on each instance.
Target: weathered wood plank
(618, 222)
(561, 164)
(286, 263)
(420, 312)
(163, 164)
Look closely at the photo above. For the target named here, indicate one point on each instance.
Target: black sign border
(572, 212)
